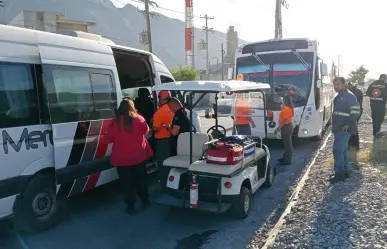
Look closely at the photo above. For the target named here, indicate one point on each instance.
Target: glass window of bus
(18, 101)
(289, 75)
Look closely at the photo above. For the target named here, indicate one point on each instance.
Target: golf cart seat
(182, 158)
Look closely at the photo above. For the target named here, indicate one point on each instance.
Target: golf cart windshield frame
(191, 106)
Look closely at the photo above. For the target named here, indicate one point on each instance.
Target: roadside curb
(272, 235)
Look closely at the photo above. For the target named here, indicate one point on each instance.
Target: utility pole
(206, 29)
(223, 52)
(147, 14)
(338, 65)
(3, 12)
(278, 17)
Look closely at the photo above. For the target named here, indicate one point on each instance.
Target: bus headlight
(305, 131)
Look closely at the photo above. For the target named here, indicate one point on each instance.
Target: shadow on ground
(330, 229)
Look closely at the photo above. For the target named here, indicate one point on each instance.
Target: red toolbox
(224, 153)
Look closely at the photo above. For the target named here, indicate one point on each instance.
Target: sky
(344, 28)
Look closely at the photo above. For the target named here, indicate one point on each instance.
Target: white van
(57, 92)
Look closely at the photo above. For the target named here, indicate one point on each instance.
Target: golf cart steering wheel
(216, 132)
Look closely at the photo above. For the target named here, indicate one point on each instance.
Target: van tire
(38, 208)
(238, 210)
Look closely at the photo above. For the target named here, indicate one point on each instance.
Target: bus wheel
(38, 208)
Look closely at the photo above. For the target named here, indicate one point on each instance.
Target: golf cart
(194, 179)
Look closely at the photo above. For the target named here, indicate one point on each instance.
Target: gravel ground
(349, 214)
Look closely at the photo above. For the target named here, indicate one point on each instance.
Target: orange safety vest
(242, 108)
(287, 113)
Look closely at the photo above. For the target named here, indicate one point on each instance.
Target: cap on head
(164, 94)
(383, 77)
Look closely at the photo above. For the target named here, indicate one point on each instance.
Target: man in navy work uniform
(180, 122)
(377, 92)
(346, 110)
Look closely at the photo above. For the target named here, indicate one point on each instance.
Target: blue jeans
(340, 151)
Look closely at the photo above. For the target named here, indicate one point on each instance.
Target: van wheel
(38, 207)
(269, 176)
(241, 207)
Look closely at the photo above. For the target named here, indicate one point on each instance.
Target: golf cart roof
(212, 86)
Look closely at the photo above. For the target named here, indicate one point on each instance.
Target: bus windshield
(285, 72)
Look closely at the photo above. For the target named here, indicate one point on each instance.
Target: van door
(81, 100)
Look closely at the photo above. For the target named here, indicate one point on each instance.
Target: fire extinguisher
(193, 193)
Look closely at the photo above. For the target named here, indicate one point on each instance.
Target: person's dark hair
(383, 77)
(340, 79)
(173, 100)
(288, 102)
(128, 112)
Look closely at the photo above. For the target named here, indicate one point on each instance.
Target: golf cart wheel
(269, 176)
(38, 207)
(241, 207)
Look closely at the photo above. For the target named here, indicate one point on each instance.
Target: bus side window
(79, 94)
(18, 100)
(317, 77)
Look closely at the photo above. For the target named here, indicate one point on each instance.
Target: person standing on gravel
(346, 110)
(285, 126)
(354, 141)
(377, 92)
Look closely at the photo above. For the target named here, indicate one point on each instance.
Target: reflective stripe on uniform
(344, 114)
(355, 110)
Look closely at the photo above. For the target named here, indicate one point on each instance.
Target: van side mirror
(319, 84)
(324, 69)
(230, 73)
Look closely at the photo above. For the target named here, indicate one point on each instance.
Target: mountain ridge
(168, 34)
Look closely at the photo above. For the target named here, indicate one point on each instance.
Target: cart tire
(38, 207)
(269, 176)
(241, 207)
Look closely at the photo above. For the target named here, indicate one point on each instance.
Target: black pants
(354, 140)
(163, 150)
(134, 179)
(287, 134)
(378, 113)
(242, 129)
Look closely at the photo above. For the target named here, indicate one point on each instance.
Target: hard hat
(164, 94)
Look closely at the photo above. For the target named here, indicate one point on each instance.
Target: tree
(183, 73)
(357, 77)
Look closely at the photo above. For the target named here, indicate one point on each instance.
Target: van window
(165, 79)
(79, 94)
(134, 72)
(18, 99)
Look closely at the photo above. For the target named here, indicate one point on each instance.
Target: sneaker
(346, 174)
(339, 177)
(130, 210)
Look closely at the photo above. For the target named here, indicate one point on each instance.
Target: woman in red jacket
(130, 151)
